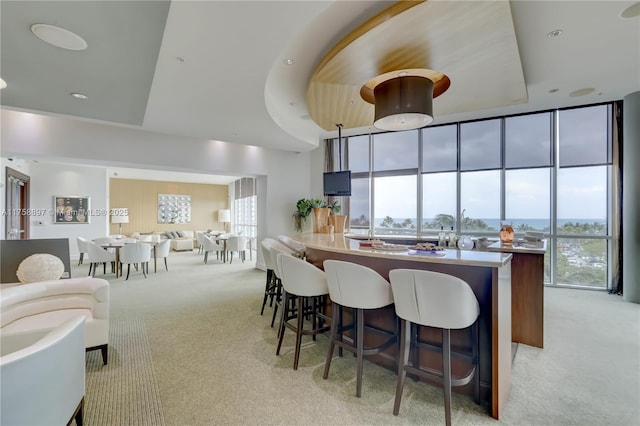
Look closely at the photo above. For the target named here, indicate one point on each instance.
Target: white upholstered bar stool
(275, 249)
(271, 289)
(437, 300)
(301, 281)
(361, 288)
(298, 249)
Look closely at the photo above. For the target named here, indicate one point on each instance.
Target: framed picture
(71, 209)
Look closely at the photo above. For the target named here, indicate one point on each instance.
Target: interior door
(17, 205)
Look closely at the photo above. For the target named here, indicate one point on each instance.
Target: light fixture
(224, 216)
(288, 61)
(554, 33)
(79, 96)
(3, 83)
(403, 103)
(59, 37)
(403, 99)
(120, 216)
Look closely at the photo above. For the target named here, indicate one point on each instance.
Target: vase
(506, 233)
(465, 243)
(338, 221)
(320, 218)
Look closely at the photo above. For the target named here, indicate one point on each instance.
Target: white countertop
(338, 243)
(519, 247)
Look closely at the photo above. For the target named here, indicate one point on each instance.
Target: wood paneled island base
(488, 274)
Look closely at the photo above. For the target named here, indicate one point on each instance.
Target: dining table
(116, 245)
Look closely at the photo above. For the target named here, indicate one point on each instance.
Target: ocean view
(534, 223)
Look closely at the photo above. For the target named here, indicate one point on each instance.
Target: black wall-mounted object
(337, 184)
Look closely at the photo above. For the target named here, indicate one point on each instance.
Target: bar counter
(487, 273)
(527, 290)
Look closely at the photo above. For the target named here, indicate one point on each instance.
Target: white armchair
(43, 383)
(136, 253)
(239, 244)
(210, 245)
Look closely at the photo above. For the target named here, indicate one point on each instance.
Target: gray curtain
(615, 285)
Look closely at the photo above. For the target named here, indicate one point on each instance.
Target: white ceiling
(214, 69)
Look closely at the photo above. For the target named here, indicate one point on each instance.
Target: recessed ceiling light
(288, 61)
(402, 74)
(79, 96)
(553, 90)
(554, 33)
(3, 84)
(179, 59)
(58, 37)
(582, 92)
(632, 11)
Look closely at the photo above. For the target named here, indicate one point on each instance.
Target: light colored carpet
(212, 357)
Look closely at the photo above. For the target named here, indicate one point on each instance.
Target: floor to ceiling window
(548, 171)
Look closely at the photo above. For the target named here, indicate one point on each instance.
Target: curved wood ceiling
(471, 43)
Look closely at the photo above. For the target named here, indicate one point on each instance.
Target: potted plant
(303, 210)
(320, 214)
(338, 221)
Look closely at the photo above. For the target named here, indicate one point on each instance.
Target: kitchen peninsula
(488, 274)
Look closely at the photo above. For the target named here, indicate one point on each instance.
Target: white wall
(48, 180)
(283, 177)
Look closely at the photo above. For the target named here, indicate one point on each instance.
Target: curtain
(615, 285)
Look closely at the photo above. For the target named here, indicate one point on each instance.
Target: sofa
(29, 311)
(180, 240)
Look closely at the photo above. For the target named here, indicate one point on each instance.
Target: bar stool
(301, 282)
(437, 300)
(360, 288)
(276, 248)
(273, 285)
(296, 248)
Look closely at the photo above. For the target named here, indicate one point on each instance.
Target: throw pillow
(180, 234)
(40, 267)
(168, 235)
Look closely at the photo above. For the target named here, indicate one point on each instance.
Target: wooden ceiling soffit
(471, 43)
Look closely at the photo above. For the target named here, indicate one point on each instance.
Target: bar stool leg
(405, 350)
(359, 350)
(299, 327)
(446, 371)
(284, 313)
(335, 309)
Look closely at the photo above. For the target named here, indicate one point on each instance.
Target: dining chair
(162, 251)
(239, 244)
(211, 246)
(136, 253)
(82, 248)
(99, 255)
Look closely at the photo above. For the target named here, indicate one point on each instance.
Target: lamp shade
(224, 216)
(119, 215)
(403, 103)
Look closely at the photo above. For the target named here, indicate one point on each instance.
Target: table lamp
(120, 216)
(224, 216)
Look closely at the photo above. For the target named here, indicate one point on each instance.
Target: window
(527, 140)
(395, 205)
(245, 218)
(480, 145)
(480, 201)
(528, 199)
(473, 175)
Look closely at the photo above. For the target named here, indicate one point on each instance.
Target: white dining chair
(162, 251)
(99, 255)
(211, 246)
(136, 253)
(237, 244)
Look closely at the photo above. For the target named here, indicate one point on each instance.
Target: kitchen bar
(488, 274)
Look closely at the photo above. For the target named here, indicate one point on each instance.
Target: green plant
(303, 210)
(316, 203)
(334, 206)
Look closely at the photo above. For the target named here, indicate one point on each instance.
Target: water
(534, 223)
